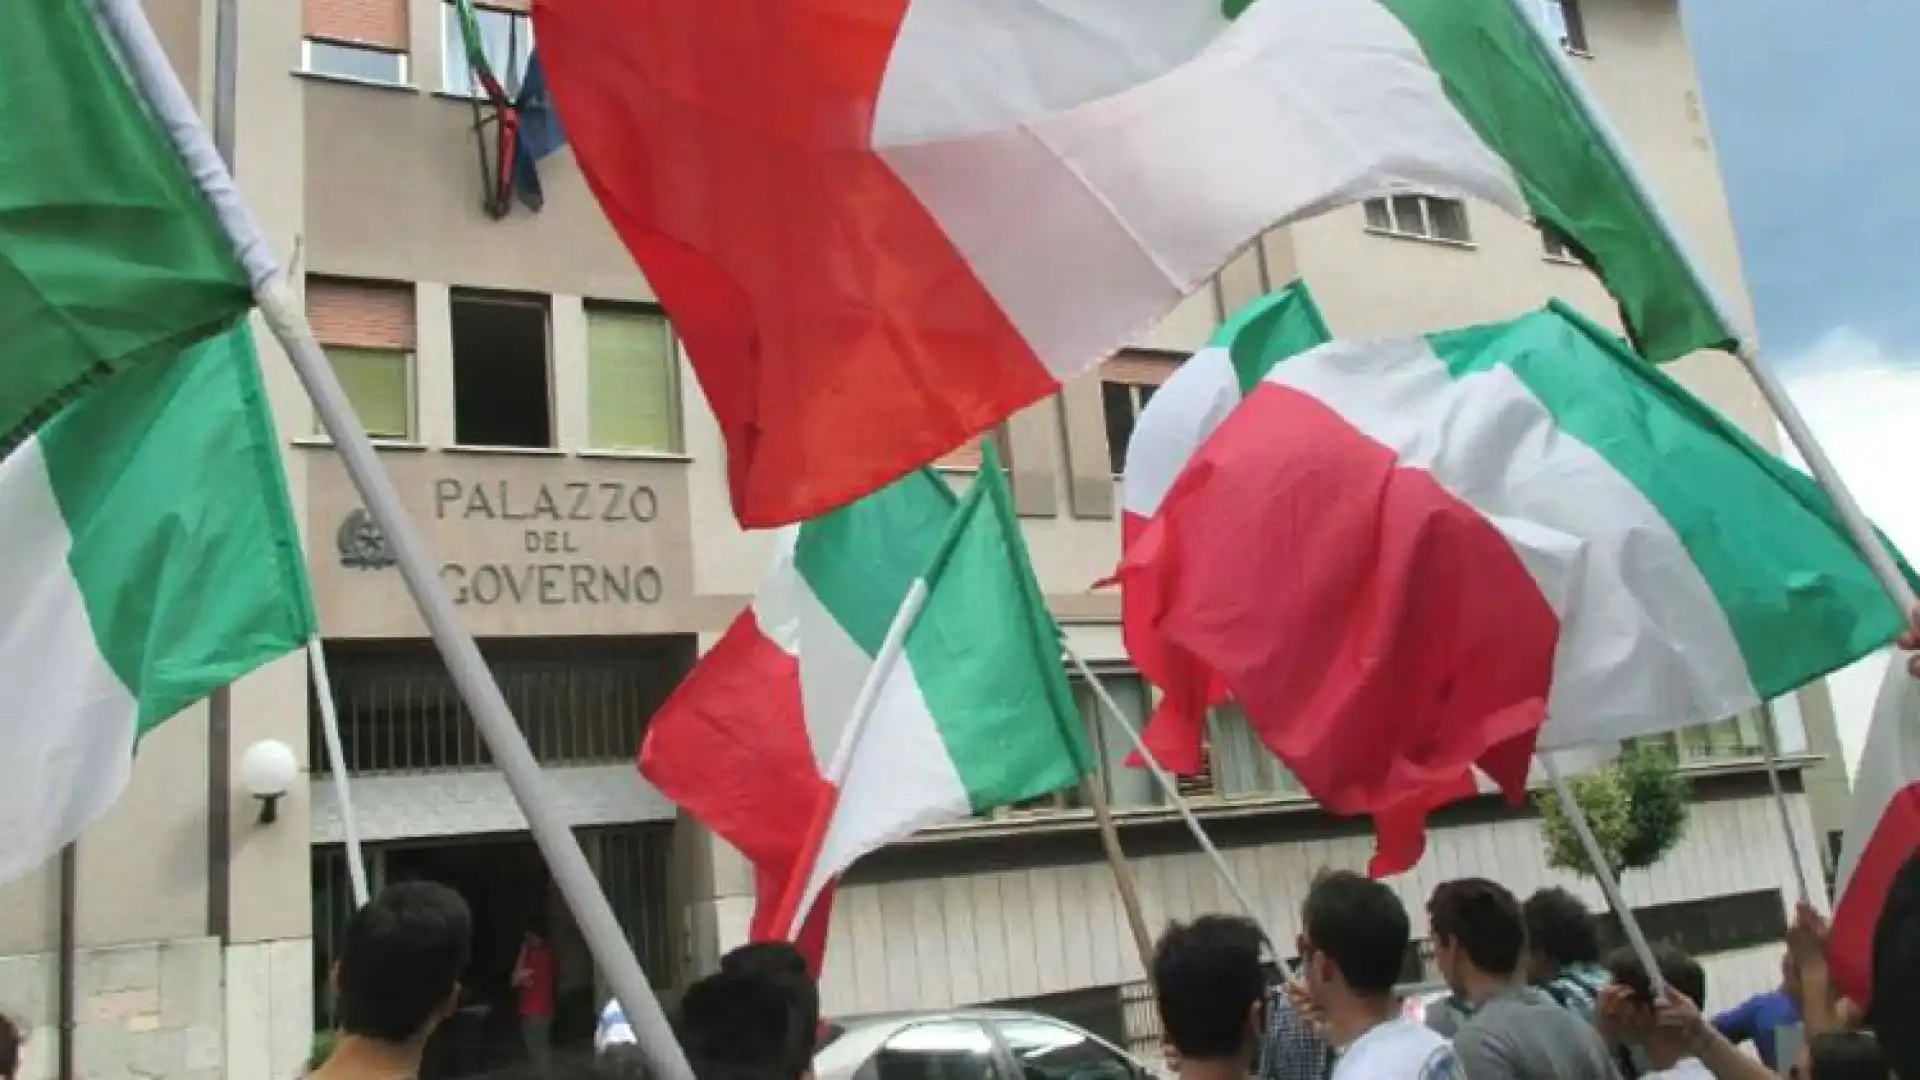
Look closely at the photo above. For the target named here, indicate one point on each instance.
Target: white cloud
(1863, 403)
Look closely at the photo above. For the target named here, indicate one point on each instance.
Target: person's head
(1476, 927)
(784, 965)
(742, 1025)
(1848, 1055)
(12, 1038)
(401, 958)
(1210, 989)
(1561, 933)
(1355, 938)
(1680, 972)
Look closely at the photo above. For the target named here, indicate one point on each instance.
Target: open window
(502, 382)
(1127, 383)
(358, 40)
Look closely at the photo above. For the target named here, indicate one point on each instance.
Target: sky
(1812, 108)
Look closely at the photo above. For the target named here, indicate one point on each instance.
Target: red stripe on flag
(840, 338)
(1850, 947)
(731, 748)
(1178, 727)
(1380, 634)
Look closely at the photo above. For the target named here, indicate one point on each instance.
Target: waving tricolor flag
(1405, 556)
(882, 228)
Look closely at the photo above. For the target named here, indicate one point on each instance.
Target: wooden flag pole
(1094, 786)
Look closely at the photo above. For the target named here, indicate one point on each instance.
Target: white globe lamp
(268, 770)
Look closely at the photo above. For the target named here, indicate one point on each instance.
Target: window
(1234, 763)
(1564, 24)
(1737, 738)
(1128, 382)
(1423, 217)
(367, 330)
(506, 36)
(365, 40)
(1554, 245)
(1241, 765)
(357, 62)
(946, 1050)
(633, 400)
(1049, 1051)
(502, 395)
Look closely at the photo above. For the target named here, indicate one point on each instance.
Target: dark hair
(740, 1025)
(1207, 980)
(1361, 926)
(784, 966)
(11, 1039)
(1848, 1055)
(401, 958)
(1679, 971)
(1560, 928)
(1481, 917)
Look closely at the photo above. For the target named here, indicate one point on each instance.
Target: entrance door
(505, 882)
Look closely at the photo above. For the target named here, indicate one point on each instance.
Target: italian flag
(151, 558)
(109, 256)
(760, 745)
(1403, 557)
(883, 228)
(1883, 834)
(1183, 412)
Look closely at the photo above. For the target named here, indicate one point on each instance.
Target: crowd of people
(1531, 998)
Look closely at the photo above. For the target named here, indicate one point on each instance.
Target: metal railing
(579, 701)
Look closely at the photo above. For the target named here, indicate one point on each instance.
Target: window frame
(1555, 248)
(676, 387)
(510, 81)
(541, 302)
(1204, 789)
(1141, 372)
(410, 372)
(1572, 23)
(1426, 231)
(400, 56)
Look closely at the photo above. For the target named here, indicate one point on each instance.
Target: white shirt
(613, 1027)
(1399, 1049)
(1684, 1069)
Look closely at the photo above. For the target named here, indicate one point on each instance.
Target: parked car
(972, 1044)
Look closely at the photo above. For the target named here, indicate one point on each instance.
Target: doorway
(506, 884)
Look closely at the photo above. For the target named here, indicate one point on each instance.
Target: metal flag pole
(1859, 529)
(149, 69)
(1172, 789)
(1603, 873)
(1770, 733)
(337, 758)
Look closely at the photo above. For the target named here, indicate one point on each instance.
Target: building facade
(532, 407)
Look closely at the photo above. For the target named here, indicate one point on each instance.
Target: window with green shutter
(379, 384)
(633, 399)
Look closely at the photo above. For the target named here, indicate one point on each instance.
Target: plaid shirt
(1291, 1049)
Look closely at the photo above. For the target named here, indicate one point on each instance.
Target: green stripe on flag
(861, 559)
(1495, 68)
(184, 543)
(1641, 422)
(985, 653)
(109, 256)
(1268, 330)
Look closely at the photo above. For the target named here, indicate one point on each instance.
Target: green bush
(1637, 806)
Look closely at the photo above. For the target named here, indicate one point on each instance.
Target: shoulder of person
(1442, 1063)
